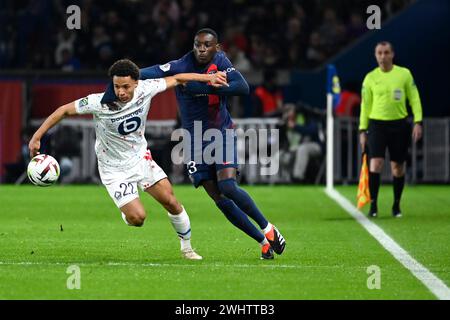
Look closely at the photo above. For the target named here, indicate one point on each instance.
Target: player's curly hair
(124, 68)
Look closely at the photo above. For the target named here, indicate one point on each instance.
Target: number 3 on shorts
(191, 167)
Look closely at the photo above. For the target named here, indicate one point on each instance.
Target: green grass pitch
(43, 231)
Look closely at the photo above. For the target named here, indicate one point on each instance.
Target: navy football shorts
(205, 170)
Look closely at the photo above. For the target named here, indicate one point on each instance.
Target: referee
(383, 121)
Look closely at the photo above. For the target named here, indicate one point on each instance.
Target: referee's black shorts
(393, 135)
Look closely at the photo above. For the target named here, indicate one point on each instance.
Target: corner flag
(363, 195)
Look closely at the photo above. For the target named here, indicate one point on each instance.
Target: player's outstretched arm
(152, 72)
(218, 79)
(237, 86)
(50, 122)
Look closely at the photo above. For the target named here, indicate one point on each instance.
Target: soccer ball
(43, 170)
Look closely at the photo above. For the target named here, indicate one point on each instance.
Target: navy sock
(239, 219)
(231, 190)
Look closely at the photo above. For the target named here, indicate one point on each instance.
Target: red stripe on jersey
(212, 98)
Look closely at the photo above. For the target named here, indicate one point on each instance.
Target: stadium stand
(289, 34)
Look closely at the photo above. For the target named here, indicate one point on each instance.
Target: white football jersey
(120, 127)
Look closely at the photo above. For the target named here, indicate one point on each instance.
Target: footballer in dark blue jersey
(204, 106)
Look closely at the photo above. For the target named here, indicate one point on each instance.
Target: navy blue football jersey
(198, 101)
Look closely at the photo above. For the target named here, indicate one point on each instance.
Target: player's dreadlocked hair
(209, 31)
(124, 68)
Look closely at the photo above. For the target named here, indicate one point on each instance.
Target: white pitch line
(150, 264)
(433, 283)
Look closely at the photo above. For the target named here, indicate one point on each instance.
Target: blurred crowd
(256, 34)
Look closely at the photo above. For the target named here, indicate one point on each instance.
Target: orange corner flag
(363, 196)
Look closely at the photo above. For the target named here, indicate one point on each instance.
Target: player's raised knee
(136, 218)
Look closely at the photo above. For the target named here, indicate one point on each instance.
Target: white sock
(125, 219)
(264, 242)
(185, 244)
(268, 228)
(182, 226)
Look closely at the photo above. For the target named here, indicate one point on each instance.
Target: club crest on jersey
(165, 67)
(140, 99)
(212, 69)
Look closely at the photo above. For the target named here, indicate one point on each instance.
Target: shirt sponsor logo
(397, 94)
(165, 67)
(229, 70)
(84, 102)
(135, 113)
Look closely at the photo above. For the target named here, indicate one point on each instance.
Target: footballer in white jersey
(124, 162)
(120, 127)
